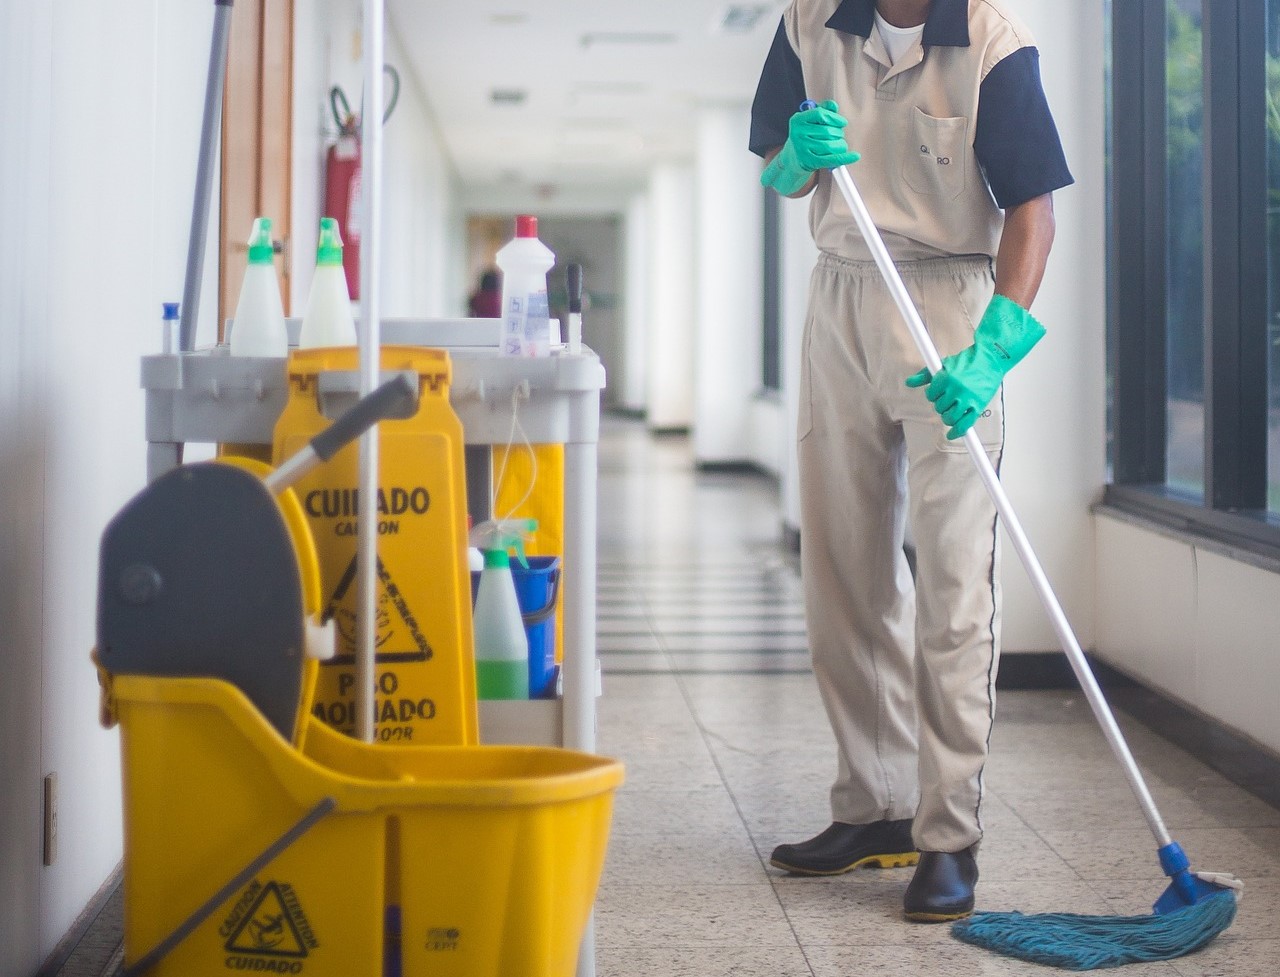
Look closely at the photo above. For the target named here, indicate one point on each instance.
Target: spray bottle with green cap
(328, 320)
(502, 645)
(258, 328)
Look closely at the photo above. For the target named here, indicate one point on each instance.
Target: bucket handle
(544, 612)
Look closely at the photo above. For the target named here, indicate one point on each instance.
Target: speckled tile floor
(710, 702)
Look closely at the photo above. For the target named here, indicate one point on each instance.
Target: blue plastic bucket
(538, 594)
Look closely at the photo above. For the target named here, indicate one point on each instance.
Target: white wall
(25, 48)
(96, 184)
(97, 201)
(1055, 457)
(728, 285)
(798, 257)
(1192, 620)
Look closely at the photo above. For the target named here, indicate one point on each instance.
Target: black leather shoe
(843, 847)
(942, 888)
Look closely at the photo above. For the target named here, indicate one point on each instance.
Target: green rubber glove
(969, 379)
(815, 141)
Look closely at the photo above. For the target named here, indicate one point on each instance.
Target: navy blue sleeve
(1017, 141)
(778, 96)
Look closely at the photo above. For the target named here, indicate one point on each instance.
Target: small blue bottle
(168, 341)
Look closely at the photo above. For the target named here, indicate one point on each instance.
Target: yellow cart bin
(491, 854)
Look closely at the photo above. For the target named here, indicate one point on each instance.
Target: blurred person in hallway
(486, 300)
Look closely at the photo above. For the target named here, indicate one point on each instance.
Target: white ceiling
(611, 86)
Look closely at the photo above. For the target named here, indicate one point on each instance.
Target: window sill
(1248, 537)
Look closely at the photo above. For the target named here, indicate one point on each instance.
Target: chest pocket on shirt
(935, 162)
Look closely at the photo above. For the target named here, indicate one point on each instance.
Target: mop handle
(370, 335)
(1013, 527)
(209, 128)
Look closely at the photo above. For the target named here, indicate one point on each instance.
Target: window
(1194, 265)
(1184, 248)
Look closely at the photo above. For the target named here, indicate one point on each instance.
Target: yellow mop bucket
(245, 853)
(492, 854)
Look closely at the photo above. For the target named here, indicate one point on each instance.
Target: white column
(670, 331)
(1055, 457)
(798, 255)
(728, 285)
(631, 394)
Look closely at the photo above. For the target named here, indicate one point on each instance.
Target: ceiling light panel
(625, 38)
(508, 96)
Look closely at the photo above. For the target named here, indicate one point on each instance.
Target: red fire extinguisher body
(342, 190)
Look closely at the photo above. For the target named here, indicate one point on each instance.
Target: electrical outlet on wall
(50, 818)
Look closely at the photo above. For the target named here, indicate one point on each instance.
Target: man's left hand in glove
(969, 379)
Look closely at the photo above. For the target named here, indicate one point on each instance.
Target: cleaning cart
(257, 838)
(208, 396)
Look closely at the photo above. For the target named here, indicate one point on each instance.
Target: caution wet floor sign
(267, 930)
(425, 676)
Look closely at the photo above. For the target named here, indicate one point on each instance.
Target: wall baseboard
(1035, 670)
(84, 926)
(738, 467)
(626, 413)
(1242, 761)
(791, 539)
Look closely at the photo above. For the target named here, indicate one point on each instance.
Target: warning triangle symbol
(390, 606)
(268, 928)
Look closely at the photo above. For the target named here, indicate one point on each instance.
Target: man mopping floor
(1196, 907)
(960, 157)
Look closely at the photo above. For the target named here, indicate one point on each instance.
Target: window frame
(1234, 507)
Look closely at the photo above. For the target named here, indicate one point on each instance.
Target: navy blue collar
(946, 26)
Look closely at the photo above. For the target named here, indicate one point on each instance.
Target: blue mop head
(1077, 942)
(1190, 913)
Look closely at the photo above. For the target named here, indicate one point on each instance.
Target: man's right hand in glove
(815, 141)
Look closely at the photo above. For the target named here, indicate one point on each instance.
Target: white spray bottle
(258, 328)
(502, 645)
(328, 320)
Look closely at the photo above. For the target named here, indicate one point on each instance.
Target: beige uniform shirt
(957, 129)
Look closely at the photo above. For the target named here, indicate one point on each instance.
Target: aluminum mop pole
(370, 363)
(1186, 889)
(204, 175)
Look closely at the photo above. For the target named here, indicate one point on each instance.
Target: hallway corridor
(709, 701)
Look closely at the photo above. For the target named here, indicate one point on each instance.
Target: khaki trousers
(906, 670)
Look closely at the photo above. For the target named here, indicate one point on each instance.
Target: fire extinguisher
(342, 202)
(342, 186)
